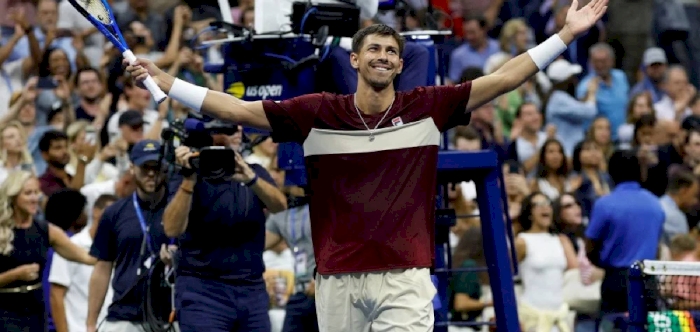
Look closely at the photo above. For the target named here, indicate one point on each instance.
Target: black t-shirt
(225, 235)
(119, 239)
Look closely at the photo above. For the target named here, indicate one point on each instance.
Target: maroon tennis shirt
(372, 203)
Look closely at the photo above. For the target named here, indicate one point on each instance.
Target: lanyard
(292, 221)
(142, 221)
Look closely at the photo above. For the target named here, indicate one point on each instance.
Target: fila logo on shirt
(397, 121)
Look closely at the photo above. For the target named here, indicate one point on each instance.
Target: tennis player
(371, 160)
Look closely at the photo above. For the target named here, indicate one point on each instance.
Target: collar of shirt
(629, 185)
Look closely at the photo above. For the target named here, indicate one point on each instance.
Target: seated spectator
(591, 182)
(655, 64)
(93, 105)
(543, 258)
(484, 120)
(684, 291)
(477, 48)
(553, 176)
(601, 134)
(120, 187)
(613, 88)
(139, 100)
(466, 287)
(654, 172)
(675, 104)
(527, 138)
(625, 227)
(54, 150)
(563, 110)
(14, 154)
(640, 104)
(682, 194)
(97, 169)
(263, 151)
(516, 190)
(57, 95)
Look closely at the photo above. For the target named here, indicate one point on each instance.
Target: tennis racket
(100, 15)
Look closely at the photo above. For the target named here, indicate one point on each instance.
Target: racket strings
(97, 9)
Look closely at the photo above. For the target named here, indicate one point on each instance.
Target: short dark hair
(624, 166)
(104, 199)
(64, 207)
(480, 19)
(679, 180)
(470, 74)
(86, 70)
(376, 29)
(467, 133)
(50, 137)
(520, 108)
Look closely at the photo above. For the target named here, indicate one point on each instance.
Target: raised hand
(579, 21)
(244, 173)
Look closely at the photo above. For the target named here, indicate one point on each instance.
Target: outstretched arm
(219, 105)
(519, 69)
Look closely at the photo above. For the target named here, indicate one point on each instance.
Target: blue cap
(145, 151)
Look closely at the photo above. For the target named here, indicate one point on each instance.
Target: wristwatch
(84, 159)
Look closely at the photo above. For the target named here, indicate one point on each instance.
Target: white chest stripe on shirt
(409, 135)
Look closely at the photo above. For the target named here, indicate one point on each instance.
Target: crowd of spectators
(70, 116)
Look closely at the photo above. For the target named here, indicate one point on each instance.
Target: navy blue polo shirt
(225, 235)
(628, 223)
(119, 239)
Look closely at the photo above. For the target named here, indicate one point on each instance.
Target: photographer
(220, 285)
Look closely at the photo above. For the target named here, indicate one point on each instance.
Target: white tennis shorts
(396, 300)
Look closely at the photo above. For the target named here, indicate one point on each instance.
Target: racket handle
(149, 83)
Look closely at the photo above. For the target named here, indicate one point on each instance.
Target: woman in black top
(24, 242)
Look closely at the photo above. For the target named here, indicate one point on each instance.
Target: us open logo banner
(258, 92)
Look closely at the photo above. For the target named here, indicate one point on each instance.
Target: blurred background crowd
(69, 115)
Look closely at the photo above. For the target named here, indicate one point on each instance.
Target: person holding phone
(221, 227)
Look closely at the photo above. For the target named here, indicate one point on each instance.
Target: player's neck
(371, 101)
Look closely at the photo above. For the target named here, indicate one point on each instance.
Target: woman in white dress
(544, 257)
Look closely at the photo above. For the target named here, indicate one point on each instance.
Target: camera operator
(220, 286)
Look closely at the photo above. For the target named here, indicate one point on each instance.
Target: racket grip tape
(158, 94)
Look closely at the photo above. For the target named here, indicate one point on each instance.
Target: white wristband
(543, 54)
(188, 94)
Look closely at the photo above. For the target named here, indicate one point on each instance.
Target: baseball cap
(145, 151)
(654, 55)
(561, 70)
(131, 118)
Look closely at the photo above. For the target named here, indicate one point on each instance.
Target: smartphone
(514, 169)
(47, 83)
(90, 135)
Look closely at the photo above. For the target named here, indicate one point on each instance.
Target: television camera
(210, 161)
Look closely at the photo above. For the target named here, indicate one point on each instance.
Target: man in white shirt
(121, 187)
(69, 280)
(679, 93)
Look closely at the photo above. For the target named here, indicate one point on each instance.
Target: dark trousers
(214, 306)
(300, 314)
(415, 69)
(13, 321)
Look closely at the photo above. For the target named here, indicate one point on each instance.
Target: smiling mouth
(380, 68)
